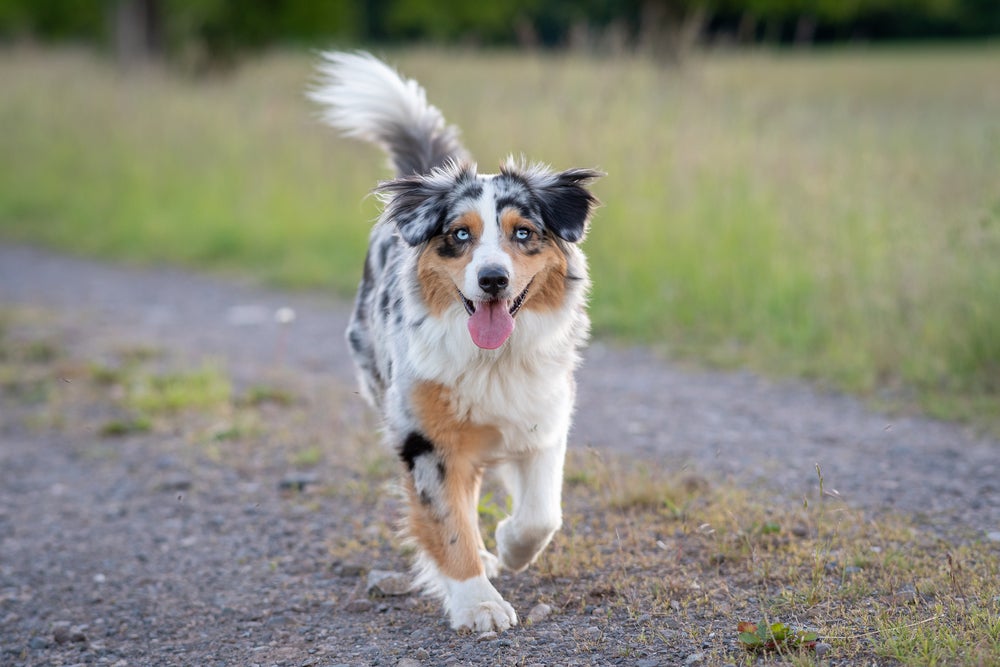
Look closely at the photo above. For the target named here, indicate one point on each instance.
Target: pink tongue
(491, 324)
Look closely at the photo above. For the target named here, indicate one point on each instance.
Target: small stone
(349, 570)
(38, 643)
(421, 654)
(648, 662)
(487, 636)
(539, 613)
(386, 583)
(359, 606)
(993, 536)
(175, 482)
(60, 632)
(76, 633)
(592, 632)
(905, 595)
(821, 648)
(408, 662)
(297, 482)
(694, 658)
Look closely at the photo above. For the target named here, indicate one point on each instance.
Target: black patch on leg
(413, 447)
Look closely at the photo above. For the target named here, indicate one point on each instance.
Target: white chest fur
(524, 389)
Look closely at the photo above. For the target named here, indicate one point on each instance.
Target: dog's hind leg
(443, 486)
(535, 483)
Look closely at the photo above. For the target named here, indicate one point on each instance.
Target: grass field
(834, 215)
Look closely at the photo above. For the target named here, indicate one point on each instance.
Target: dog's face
(495, 244)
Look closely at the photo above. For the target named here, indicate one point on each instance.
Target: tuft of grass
(117, 428)
(829, 214)
(261, 394)
(309, 457)
(169, 393)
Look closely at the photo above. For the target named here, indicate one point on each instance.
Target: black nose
(493, 279)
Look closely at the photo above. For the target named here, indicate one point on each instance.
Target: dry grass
(709, 556)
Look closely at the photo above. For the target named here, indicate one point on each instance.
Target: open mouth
(470, 306)
(492, 322)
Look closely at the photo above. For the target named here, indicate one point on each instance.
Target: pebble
(38, 643)
(63, 633)
(175, 482)
(539, 613)
(421, 654)
(385, 582)
(359, 606)
(408, 662)
(593, 631)
(487, 636)
(648, 662)
(822, 648)
(693, 658)
(297, 482)
(905, 595)
(993, 536)
(60, 632)
(349, 570)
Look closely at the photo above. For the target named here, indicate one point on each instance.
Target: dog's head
(495, 244)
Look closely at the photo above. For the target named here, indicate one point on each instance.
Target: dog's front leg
(535, 483)
(443, 486)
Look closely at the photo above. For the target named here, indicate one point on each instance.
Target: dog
(466, 331)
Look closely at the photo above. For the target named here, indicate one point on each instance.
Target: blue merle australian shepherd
(466, 332)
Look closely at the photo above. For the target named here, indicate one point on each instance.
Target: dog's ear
(566, 204)
(418, 205)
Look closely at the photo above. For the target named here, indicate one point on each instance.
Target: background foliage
(221, 27)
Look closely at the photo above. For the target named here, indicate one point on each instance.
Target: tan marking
(439, 276)
(547, 268)
(452, 540)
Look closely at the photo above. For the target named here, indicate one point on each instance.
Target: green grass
(834, 215)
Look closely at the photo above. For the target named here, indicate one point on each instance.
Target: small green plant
(261, 394)
(172, 392)
(117, 428)
(762, 637)
(308, 457)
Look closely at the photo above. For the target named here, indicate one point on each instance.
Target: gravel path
(150, 558)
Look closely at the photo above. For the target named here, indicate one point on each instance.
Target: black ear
(418, 205)
(565, 204)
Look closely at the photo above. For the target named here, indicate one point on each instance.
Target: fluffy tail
(366, 99)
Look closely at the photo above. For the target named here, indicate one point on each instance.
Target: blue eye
(522, 234)
(462, 235)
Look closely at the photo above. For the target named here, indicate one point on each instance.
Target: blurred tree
(461, 20)
(213, 31)
(138, 30)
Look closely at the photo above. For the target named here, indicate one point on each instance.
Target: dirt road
(152, 555)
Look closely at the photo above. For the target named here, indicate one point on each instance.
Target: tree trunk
(138, 31)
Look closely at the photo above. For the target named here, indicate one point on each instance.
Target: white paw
(490, 563)
(475, 605)
(518, 545)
